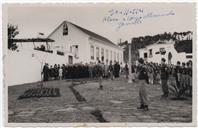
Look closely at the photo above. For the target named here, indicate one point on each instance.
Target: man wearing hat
(164, 78)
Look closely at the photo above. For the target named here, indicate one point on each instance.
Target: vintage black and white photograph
(100, 63)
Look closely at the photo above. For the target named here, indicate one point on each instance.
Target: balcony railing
(43, 50)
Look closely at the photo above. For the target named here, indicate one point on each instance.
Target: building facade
(71, 44)
(155, 52)
(80, 45)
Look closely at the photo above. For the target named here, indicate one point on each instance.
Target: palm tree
(12, 32)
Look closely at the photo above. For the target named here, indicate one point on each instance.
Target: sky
(104, 19)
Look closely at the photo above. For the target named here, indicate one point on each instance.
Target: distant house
(184, 36)
(164, 49)
(83, 45)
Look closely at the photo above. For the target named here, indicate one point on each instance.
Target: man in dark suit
(164, 77)
(190, 77)
(178, 74)
(45, 72)
(111, 70)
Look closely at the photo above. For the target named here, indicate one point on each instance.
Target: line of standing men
(74, 71)
(182, 74)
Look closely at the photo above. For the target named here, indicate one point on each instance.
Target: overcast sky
(39, 18)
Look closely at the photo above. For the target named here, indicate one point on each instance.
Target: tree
(12, 32)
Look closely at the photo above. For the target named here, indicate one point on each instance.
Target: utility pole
(130, 75)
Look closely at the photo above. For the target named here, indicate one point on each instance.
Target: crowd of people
(148, 73)
(160, 73)
(156, 73)
(75, 71)
(142, 73)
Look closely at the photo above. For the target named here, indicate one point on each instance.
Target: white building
(155, 52)
(77, 45)
(184, 36)
(73, 44)
(83, 45)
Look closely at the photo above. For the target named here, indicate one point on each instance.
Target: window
(60, 53)
(150, 52)
(188, 56)
(76, 51)
(70, 49)
(70, 59)
(92, 52)
(97, 53)
(114, 56)
(111, 55)
(65, 29)
(102, 54)
(162, 51)
(57, 46)
(107, 55)
(145, 55)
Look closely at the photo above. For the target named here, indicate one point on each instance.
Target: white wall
(100, 44)
(74, 37)
(141, 52)
(25, 66)
(157, 57)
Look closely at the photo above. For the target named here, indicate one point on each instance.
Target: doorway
(70, 59)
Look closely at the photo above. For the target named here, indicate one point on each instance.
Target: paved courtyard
(116, 103)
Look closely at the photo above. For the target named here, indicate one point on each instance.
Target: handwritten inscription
(128, 17)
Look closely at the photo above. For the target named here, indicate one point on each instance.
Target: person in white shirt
(60, 73)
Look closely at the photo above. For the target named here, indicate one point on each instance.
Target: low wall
(26, 66)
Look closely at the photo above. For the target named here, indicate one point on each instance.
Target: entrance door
(145, 56)
(70, 59)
